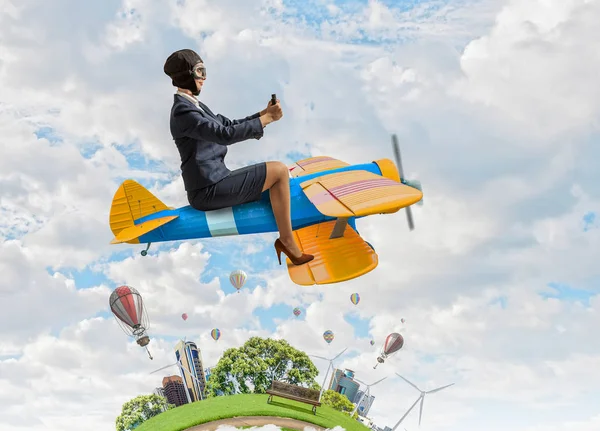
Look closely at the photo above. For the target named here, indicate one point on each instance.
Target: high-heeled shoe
(279, 247)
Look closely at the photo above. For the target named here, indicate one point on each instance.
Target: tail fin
(131, 202)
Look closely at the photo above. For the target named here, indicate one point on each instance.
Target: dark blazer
(202, 139)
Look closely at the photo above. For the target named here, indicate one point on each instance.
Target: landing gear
(145, 252)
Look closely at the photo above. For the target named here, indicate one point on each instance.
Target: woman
(202, 138)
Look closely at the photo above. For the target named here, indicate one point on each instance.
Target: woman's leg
(278, 184)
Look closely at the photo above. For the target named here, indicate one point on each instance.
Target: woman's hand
(271, 113)
(274, 110)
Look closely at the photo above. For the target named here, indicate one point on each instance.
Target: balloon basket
(143, 341)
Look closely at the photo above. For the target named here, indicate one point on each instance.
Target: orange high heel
(279, 247)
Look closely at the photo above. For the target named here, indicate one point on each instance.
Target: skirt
(239, 187)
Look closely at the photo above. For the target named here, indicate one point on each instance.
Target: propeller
(412, 183)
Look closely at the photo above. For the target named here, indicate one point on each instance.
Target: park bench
(294, 392)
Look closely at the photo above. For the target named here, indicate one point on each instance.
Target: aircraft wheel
(144, 253)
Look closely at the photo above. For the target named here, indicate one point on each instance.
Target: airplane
(327, 196)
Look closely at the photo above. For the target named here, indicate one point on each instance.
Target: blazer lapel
(202, 108)
(207, 110)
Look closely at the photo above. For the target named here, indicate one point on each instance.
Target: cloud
(529, 66)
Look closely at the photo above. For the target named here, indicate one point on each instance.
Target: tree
(140, 409)
(338, 402)
(253, 366)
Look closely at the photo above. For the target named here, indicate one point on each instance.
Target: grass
(212, 409)
(282, 429)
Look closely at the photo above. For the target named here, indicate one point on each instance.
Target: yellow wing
(315, 164)
(358, 193)
(338, 259)
(131, 202)
(132, 233)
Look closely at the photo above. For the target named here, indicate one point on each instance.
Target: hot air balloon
(215, 334)
(184, 316)
(128, 307)
(393, 343)
(237, 279)
(328, 336)
(402, 320)
(297, 312)
(372, 342)
(355, 298)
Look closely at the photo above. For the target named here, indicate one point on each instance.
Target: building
(209, 371)
(207, 374)
(343, 383)
(365, 404)
(174, 391)
(161, 393)
(365, 421)
(189, 355)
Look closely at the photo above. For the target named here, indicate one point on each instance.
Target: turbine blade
(166, 366)
(339, 354)
(380, 380)
(320, 357)
(406, 414)
(360, 381)
(438, 389)
(414, 386)
(421, 409)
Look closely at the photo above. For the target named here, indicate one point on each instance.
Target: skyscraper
(343, 382)
(174, 390)
(365, 404)
(189, 355)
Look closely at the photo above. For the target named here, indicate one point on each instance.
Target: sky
(496, 106)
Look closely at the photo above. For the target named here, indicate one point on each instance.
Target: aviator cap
(179, 67)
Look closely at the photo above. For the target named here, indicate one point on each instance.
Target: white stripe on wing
(221, 222)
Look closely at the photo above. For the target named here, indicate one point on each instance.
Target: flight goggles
(199, 71)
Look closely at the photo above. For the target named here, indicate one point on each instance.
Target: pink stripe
(370, 180)
(350, 188)
(322, 198)
(314, 161)
(361, 185)
(356, 188)
(347, 189)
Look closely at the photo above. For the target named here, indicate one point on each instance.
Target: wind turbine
(365, 393)
(421, 397)
(328, 367)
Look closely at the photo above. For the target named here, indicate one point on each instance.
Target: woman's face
(199, 84)
(199, 75)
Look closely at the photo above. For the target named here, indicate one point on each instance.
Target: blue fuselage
(249, 218)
